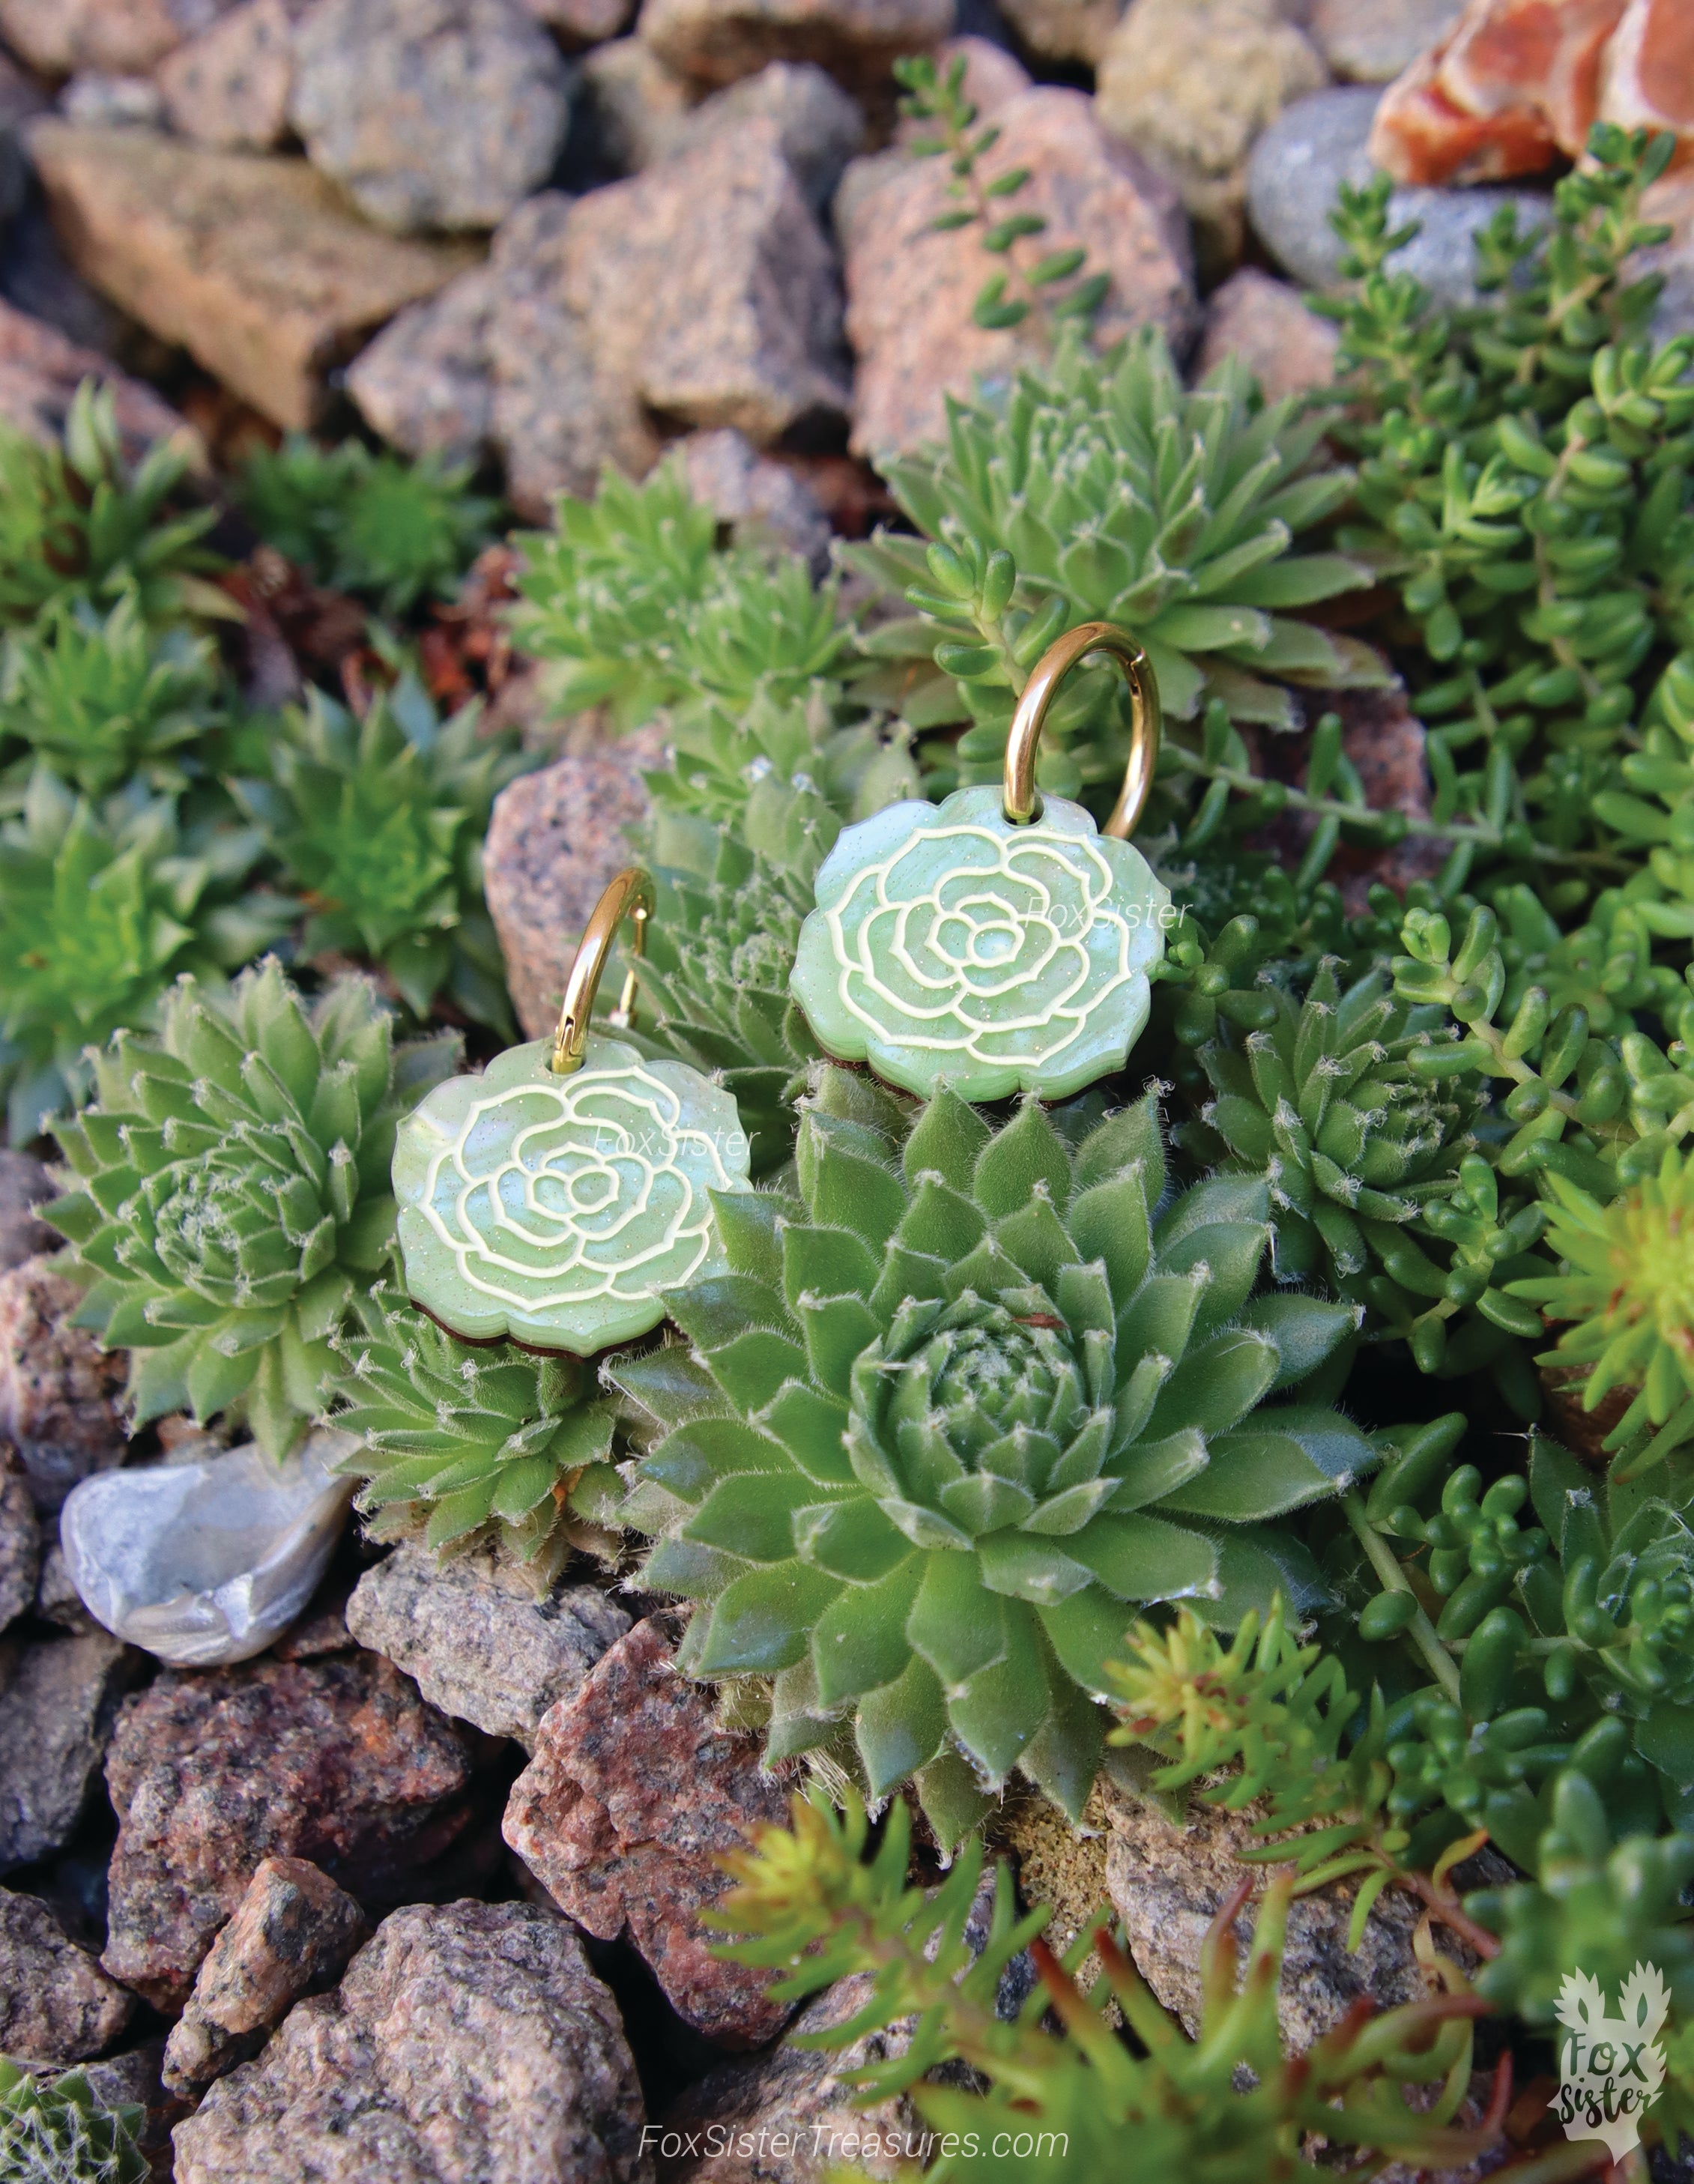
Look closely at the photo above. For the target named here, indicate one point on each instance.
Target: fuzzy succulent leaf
(78, 521)
(57, 2132)
(233, 1189)
(380, 821)
(471, 1439)
(100, 907)
(961, 1402)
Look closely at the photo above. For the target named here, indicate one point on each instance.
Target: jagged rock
(56, 2004)
(759, 499)
(477, 1643)
(1191, 84)
(466, 2042)
(57, 1599)
(208, 1557)
(1286, 346)
(1063, 30)
(716, 41)
(21, 1540)
(338, 1760)
(909, 291)
(430, 114)
(58, 1389)
(633, 1790)
(556, 837)
(1318, 143)
(255, 266)
(630, 108)
(123, 37)
(132, 2079)
(634, 112)
(292, 1933)
(819, 129)
(426, 382)
(1372, 41)
(229, 88)
(58, 1697)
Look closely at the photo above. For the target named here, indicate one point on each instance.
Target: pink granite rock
(1286, 346)
(56, 2004)
(59, 1390)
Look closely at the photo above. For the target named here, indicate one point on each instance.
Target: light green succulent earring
(553, 1198)
(996, 943)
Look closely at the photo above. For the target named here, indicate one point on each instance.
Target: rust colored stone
(634, 1791)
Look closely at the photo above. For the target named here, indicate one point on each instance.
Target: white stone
(206, 1561)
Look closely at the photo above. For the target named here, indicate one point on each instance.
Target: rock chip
(255, 266)
(59, 1698)
(122, 37)
(819, 128)
(716, 41)
(1372, 41)
(291, 1932)
(477, 1643)
(909, 291)
(430, 114)
(338, 1761)
(759, 500)
(229, 88)
(1288, 348)
(633, 1791)
(556, 837)
(466, 2041)
(1191, 84)
(41, 368)
(20, 1540)
(1064, 30)
(1321, 142)
(58, 1389)
(56, 2004)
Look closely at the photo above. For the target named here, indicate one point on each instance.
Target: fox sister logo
(1613, 2067)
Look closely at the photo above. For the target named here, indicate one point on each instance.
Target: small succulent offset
(953, 945)
(467, 1440)
(57, 2133)
(1063, 2093)
(952, 1409)
(77, 521)
(233, 1191)
(381, 823)
(102, 905)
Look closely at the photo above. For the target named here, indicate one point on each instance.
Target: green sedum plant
(57, 2133)
(958, 1401)
(379, 822)
(78, 521)
(102, 905)
(232, 1192)
(471, 1440)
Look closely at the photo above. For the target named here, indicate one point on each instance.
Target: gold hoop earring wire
(629, 896)
(1022, 803)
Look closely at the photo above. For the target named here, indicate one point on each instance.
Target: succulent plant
(233, 1189)
(77, 521)
(101, 906)
(1100, 490)
(470, 1439)
(102, 700)
(381, 823)
(953, 1409)
(1317, 1094)
(369, 522)
(56, 2132)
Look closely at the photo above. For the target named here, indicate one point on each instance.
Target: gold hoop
(1021, 802)
(629, 896)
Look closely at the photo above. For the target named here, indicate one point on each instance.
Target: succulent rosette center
(245, 1227)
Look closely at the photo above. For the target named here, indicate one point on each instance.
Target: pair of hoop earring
(998, 943)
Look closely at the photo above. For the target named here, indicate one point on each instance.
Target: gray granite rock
(717, 40)
(467, 2040)
(430, 114)
(56, 2004)
(1372, 41)
(556, 837)
(760, 501)
(58, 1389)
(1321, 142)
(21, 1540)
(25, 1185)
(58, 1699)
(58, 1601)
(819, 128)
(425, 383)
(122, 37)
(291, 1934)
(470, 1634)
(630, 108)
(230, 87)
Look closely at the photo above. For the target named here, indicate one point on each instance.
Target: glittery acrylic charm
(996, 944)
(554, 1199)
